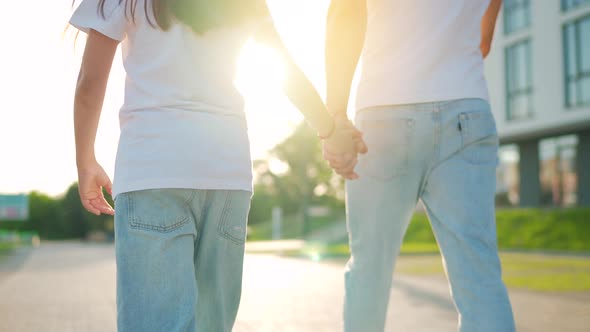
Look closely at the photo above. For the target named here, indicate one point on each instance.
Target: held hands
(343, 146)
(91, 179)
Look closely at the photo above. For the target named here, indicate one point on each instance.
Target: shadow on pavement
(422, 294)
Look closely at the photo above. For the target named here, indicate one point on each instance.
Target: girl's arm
(90, 91)
(297, 86)
(342, 138)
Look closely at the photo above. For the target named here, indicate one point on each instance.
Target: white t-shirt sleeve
(88, 16)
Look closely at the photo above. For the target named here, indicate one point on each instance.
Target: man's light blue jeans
(179, 259)
(445, 154)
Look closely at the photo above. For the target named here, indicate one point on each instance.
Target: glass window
(559, 181)
(571, 4)
(516, 15)
(576, 36)
(508, 176)
(519, 82)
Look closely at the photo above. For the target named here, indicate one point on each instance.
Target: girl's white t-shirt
(182, 121)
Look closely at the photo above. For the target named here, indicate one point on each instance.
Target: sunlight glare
(277, 166)
(316, 257)
(260, 71)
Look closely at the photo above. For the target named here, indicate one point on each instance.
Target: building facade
(539, 80)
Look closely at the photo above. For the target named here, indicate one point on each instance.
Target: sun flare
(260, 71)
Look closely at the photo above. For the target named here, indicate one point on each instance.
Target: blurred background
(539, 80)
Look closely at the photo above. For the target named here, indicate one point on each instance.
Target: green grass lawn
(536, 272)
(533, 271)
(4, 247)
(341, 250)
(546, 273)
(526, 229)
(564, 231)
(522, 229)
(11, 240)
(291, 227)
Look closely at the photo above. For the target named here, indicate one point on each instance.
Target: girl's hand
(91, 179)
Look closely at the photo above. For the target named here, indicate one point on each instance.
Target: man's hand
(91, 179)
(343, 146)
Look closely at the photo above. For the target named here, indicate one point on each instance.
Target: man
(422, 108)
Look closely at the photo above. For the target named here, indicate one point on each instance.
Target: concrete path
(71, 287)
(260, 247)
(293, 295)
(59, 287)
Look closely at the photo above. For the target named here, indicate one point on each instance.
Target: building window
(519, 81)
(576, 36)
(559, 180)
(571, 4)
(508, 176)
(516, 15)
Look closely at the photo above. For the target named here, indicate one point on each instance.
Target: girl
(182, 183)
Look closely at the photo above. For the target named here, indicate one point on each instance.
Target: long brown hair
(199, 15)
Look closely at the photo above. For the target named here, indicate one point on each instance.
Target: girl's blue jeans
(179, 259)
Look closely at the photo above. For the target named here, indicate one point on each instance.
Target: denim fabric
(179, 259)
(444, 154)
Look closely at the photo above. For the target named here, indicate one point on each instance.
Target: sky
(38, 70)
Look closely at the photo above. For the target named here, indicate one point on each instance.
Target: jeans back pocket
(479, 137)
(159, 210)
(387, 139)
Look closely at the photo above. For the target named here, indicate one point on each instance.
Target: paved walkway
(71, 287)
(293, 295)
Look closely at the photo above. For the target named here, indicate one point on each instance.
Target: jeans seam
(473, 161)
(131, 204)
(161, 229)
(204, 211)
(465, 131)
(221, 226)
(189, 200)
(436, 150)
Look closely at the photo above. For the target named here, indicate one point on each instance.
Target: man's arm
(345, 37)
(488, 24)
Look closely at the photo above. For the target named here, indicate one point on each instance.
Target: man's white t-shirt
(182, 121)
(419, 51)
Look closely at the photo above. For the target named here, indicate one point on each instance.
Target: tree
(61, 218)
(45, 216)
(75, 221)
(308, 179)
